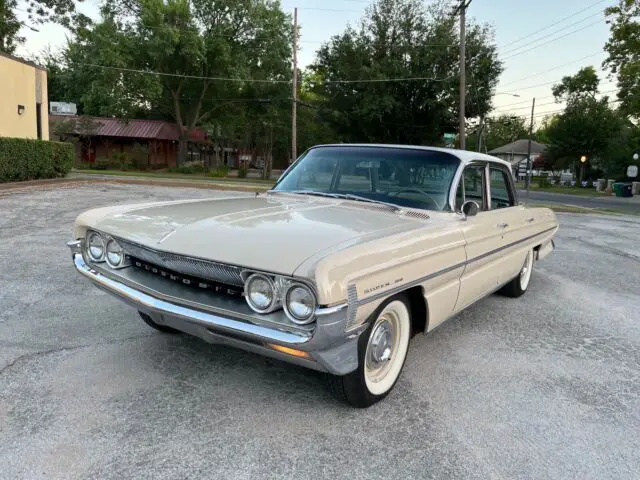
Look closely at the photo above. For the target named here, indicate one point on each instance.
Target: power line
(252, 80)
(550, 103)
(529, 35)
(552, 40)
(551, 69)
(179, 75)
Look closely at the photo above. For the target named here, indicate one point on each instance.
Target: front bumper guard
(328, 348)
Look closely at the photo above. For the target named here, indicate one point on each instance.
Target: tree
(583, 84)
(206, 55)
(500, 131)
(588, 126)
(623, 48)
(9, 27)
(400, 39)
(59, 11)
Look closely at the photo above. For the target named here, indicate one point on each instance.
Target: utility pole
(462, 8)
(480, 131)
(528, 182)
(294, 111)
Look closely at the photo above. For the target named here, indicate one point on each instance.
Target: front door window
(471, 187)
(501, 196)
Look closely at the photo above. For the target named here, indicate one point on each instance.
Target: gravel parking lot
(546, 386)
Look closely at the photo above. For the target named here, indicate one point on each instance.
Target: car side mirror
(470, 208)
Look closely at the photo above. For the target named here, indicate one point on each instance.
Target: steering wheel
(416, 190)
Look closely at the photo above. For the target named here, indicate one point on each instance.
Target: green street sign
(449, 137)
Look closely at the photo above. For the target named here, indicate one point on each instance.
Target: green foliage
(242, 172)
(195, 39)
(623, 48)
(543, 182)
(9, 27)
(396, 40)
(499, 131)
(583, 84)
(588, 126)
(22, 159)
(219, 172)
(190, 167)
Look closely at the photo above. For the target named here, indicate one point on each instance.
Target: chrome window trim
(457, 178)
(513, 194)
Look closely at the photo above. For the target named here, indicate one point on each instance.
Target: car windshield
(401, 177)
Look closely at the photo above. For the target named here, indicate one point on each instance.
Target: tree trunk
(182, 149)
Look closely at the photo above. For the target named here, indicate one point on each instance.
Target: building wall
(22, 84)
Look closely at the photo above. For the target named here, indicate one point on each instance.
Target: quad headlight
(260, 293)
(114, 254)
(103, 248)
(265, 293)
(95, 247)
(299, 303)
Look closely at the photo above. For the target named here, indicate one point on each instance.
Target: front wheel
(517, 286)
(382, 351)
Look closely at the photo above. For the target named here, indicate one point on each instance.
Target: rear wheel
(517, 286)
(161, 328)
(382, 351)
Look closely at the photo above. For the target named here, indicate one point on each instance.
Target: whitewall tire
(518, 286)
(382, 351)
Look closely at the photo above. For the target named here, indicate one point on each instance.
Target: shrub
(24, 159)
(189, 167)
(219, 172)
(242, 172)
(543, 182)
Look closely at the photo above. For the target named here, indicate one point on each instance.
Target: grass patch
(583, 192)
(559, 208)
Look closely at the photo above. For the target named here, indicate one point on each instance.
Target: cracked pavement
(545, 386)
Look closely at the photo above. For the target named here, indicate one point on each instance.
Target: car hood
(273, 233)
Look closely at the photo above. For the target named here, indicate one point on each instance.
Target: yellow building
(23, 99)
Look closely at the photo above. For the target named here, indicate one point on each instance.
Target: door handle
(529, 220)
(502, 225)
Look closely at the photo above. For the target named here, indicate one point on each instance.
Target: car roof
(464, 156)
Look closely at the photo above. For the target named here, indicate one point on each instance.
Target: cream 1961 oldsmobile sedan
(355, 249)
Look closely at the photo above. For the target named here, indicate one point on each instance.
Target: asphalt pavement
(630, 205)
(545, 386)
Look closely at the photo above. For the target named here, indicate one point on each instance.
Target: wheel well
(419, 310)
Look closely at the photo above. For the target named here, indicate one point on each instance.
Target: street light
(583, 160)
(483, 120)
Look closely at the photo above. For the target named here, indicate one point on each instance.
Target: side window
(471, 186)
(501, 196)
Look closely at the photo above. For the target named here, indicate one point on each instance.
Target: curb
(14, 187)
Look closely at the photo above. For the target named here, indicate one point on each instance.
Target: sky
(539, 41)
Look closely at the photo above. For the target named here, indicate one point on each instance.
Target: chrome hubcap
(380, 344)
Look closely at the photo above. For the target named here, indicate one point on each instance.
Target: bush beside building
(25, 159)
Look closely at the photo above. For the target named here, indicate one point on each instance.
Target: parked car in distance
(356, 249)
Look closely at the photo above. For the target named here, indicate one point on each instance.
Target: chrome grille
(193, 282)
(213, 271)
(352, 307)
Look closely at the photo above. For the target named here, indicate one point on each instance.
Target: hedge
(23, 159)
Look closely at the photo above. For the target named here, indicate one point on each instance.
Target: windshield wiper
(347, 196)
(317, 194)
(358, 198)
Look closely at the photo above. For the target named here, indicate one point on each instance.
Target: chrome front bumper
(327, 348)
